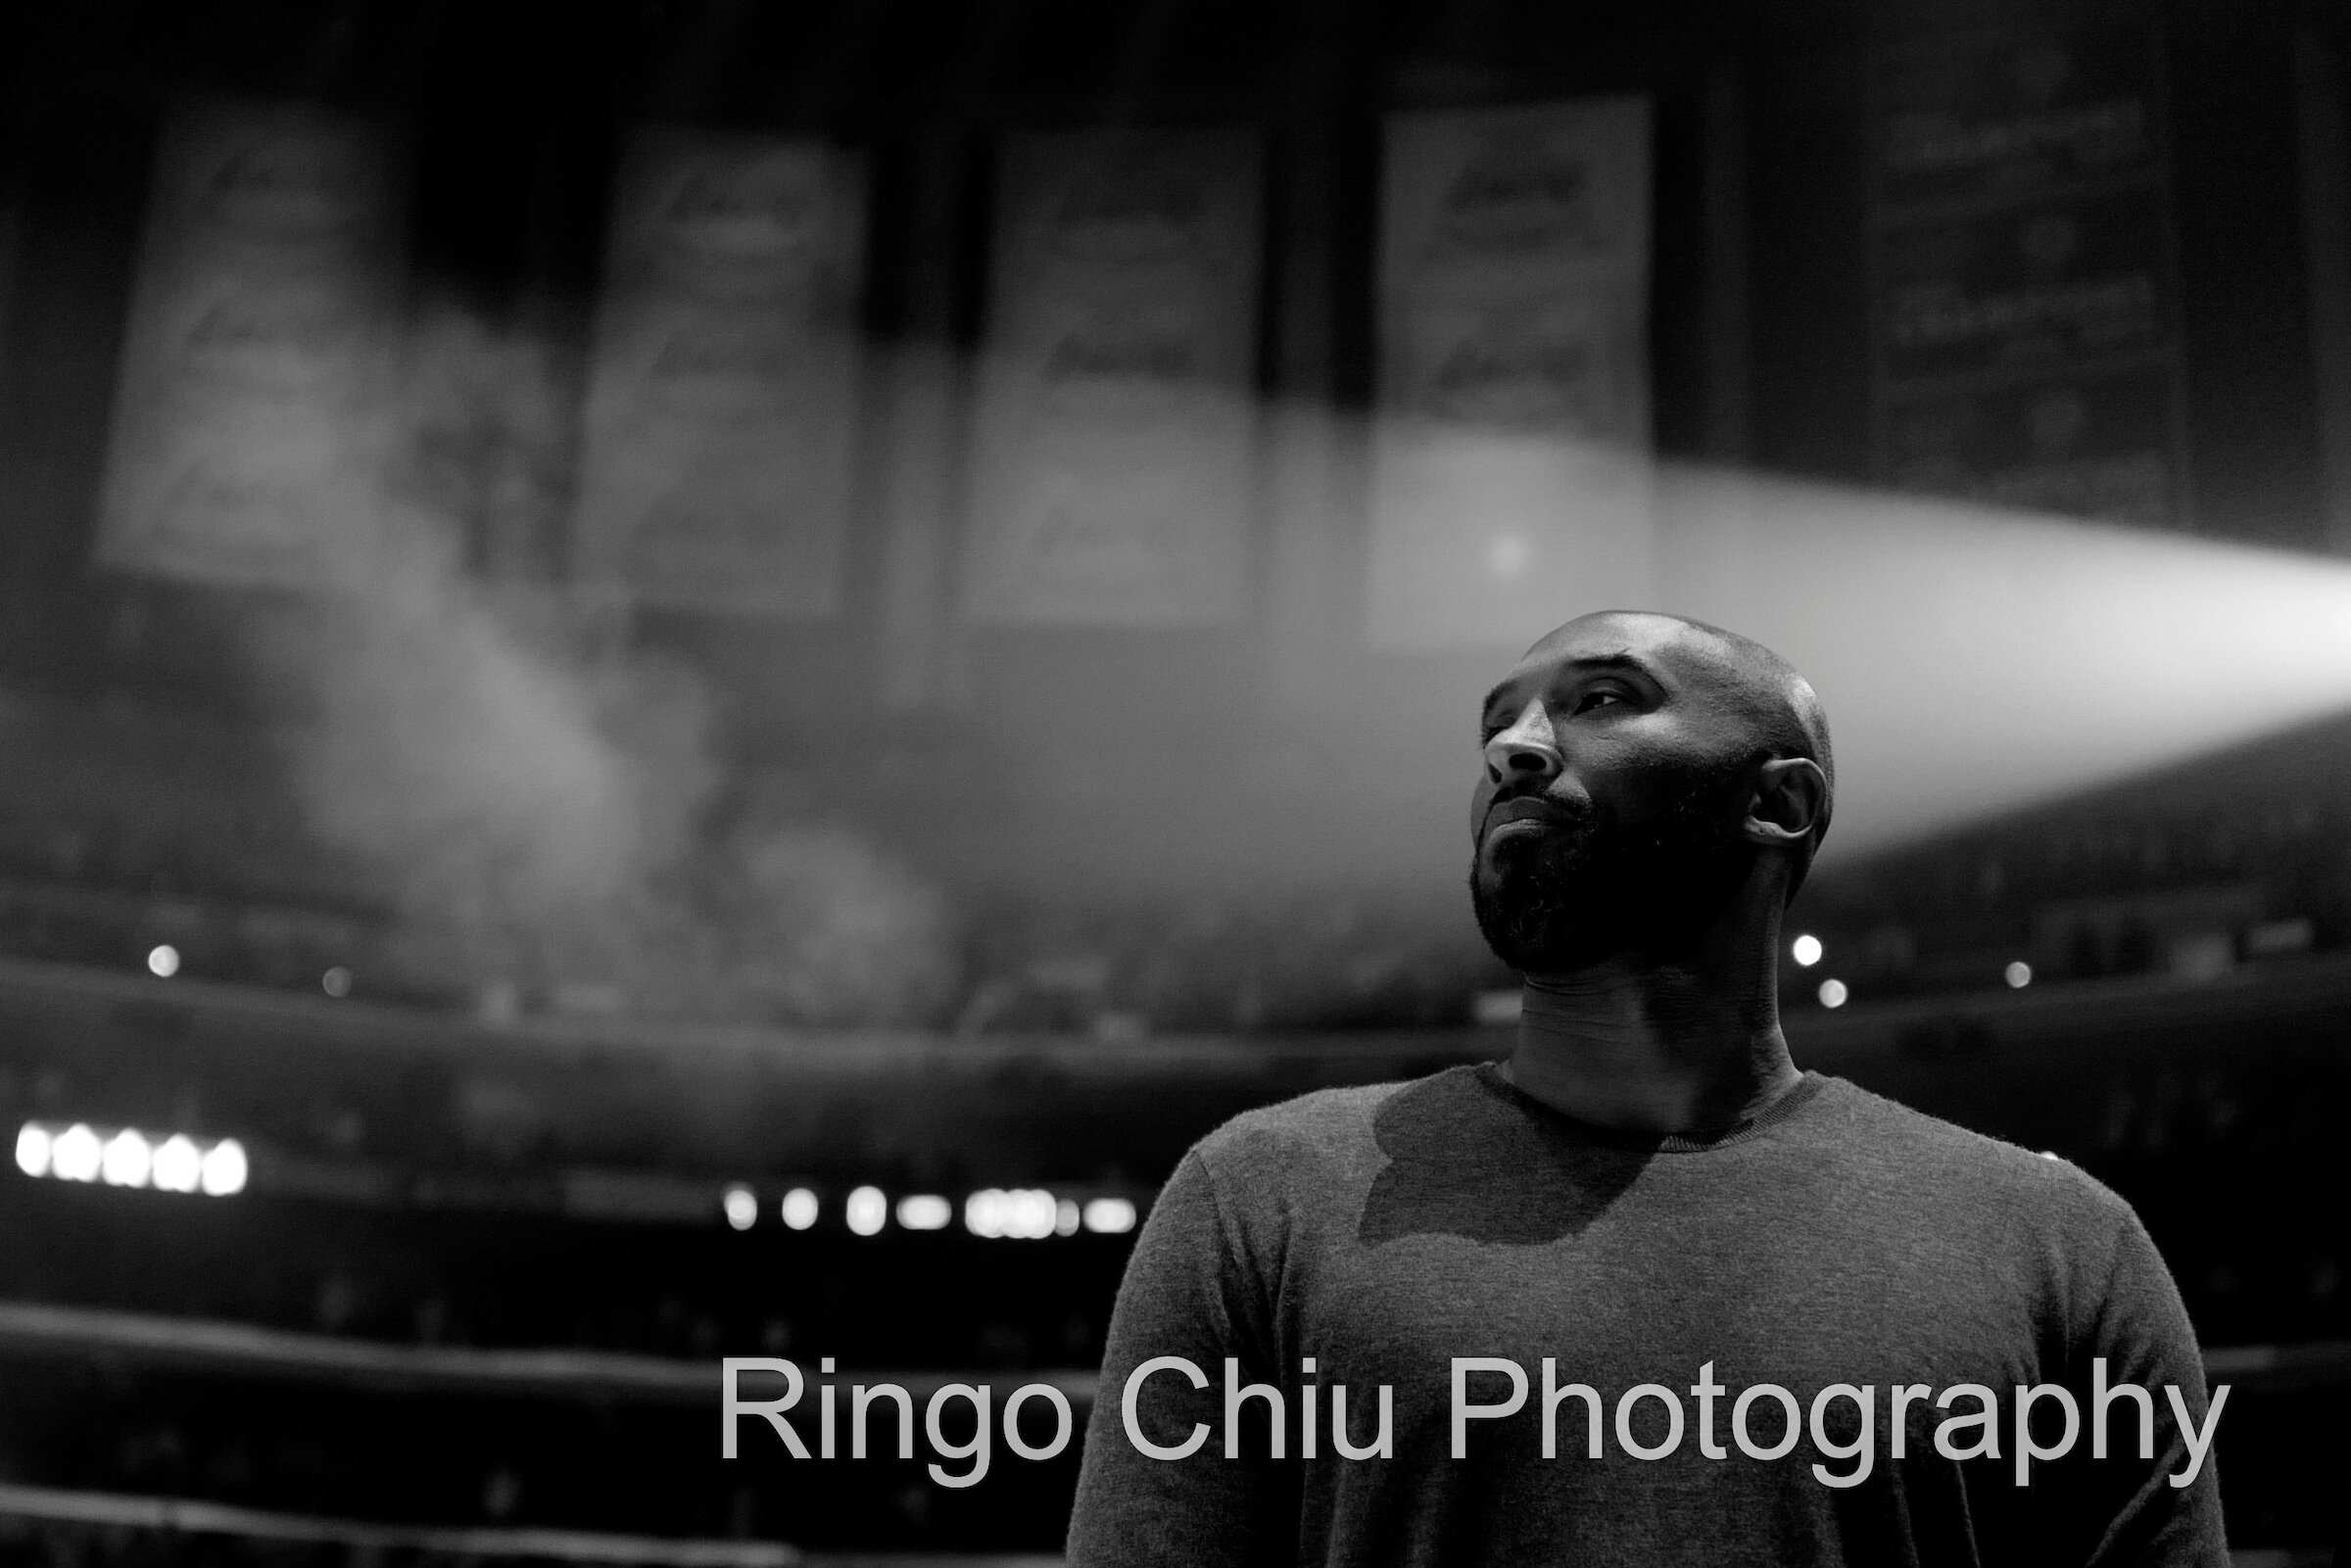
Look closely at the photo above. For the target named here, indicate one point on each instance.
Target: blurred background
(695, 679)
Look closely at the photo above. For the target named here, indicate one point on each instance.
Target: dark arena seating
(497, 1306)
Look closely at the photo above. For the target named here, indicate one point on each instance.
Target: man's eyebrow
(1590, 662)
(1614, 662)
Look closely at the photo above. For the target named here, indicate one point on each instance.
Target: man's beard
(1580, 891)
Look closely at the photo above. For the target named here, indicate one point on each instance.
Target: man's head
(1642, 774)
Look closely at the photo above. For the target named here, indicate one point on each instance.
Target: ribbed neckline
(1799, 1094)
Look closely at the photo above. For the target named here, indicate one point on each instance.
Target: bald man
(1645, 1293)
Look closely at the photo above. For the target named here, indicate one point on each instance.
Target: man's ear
(1791, 795)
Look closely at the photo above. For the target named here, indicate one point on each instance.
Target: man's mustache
(1551, 811)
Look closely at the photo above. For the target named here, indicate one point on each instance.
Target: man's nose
(1524, 754)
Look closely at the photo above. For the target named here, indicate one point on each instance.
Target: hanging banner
(2044, 282)
(252, 412)
(1114, 446)
(1510, 481)
(2023, 276)
(722, 402)
(2000, 114)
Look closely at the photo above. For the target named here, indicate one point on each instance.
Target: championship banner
(1113, 460)
(2022, 274)
(2041, 282)
(1510, 478)
(253, 410)
(1999, 115)
(722, 402)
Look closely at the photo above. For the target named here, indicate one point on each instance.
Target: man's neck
(1651, 1049)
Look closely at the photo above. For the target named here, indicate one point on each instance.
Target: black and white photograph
(1155, 784)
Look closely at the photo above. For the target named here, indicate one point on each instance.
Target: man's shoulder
(1322, 1125)
(1964, 1164)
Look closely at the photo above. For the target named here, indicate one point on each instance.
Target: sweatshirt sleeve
(2164, 1511)
(1188, 1293)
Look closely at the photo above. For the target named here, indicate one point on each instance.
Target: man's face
(1608, 812)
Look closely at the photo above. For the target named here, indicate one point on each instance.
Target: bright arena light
(1805, 950)
(984, 1212)
(125, 1156)
(77, 1154)
(1833, 993)
(336, 981)
(223, 1172)
(924, 1211)
(1108, 1217)
(2020, 975)
(798, 1209)
(1065, 1218)
(867, 1211)
(1024, 1213)
(741, 1205)
(163, 960)
(127, 1160)
(178, 1165)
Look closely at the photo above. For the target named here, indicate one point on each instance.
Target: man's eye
(1592, 699)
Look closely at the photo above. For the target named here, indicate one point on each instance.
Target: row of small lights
(1807, 950)
(128, 1158)
(1019, 1213)
(162, 962)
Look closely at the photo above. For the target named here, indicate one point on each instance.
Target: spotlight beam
(1975, 661)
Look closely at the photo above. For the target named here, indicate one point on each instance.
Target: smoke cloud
(545, 805)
